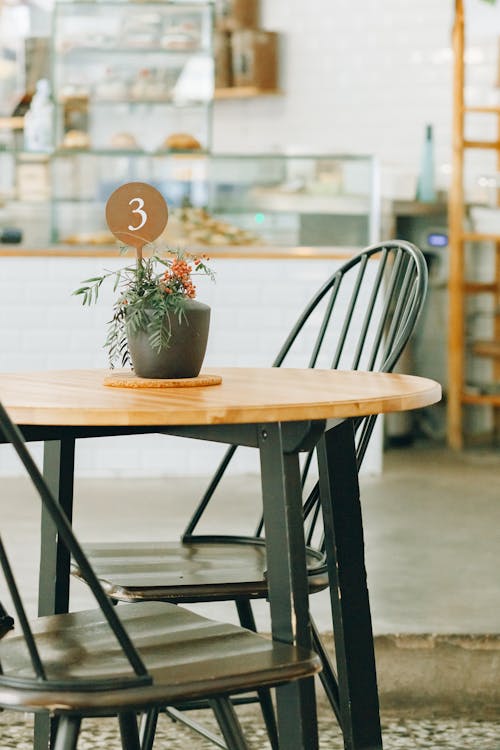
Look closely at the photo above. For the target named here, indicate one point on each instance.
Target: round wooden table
(246, 395)
(281, 412)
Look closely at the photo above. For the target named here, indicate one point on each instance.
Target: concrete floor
(432, 524)
(432, 532)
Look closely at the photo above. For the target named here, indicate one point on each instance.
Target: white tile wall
(254, 304)
(359, 76)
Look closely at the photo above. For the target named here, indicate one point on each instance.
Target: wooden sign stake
(136, 214)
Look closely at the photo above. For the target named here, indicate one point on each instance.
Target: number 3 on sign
(138, 210)
(129, 219)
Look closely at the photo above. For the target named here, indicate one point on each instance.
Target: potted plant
(157, 326)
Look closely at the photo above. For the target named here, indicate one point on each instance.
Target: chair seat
(194, 571)
(187, 656)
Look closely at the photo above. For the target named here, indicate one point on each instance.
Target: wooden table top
(246, 395)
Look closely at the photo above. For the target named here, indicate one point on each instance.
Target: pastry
(197, 227)
(76, 139)
(89, 238)
(182, 142)
(124, 140)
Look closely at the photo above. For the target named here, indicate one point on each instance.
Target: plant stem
(140, 266)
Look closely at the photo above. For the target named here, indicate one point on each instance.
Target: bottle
(38, 119)
(426, 191)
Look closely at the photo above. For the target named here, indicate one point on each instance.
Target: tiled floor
(398, 734)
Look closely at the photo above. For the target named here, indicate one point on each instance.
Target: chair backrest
(361, 318)
(44, 675)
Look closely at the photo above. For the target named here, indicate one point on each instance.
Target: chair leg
(229, 724)
(247, 620)
(128, 731)
(352, 629)
(327, 674)
(67, 733)
(147, 732)
(176, 715)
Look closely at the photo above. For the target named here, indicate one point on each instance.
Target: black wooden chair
(111, 661)
(361, 318)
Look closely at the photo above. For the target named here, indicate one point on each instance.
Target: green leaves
(116, 341)
(159, 330)
(90, 293)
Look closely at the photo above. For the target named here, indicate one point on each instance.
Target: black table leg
(352, 625)
(287, 578)
(53, 588)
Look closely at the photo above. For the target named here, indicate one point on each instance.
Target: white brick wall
(254, 304)
(364, 76)
(359, 76)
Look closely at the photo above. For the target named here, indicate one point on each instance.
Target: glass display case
(126, 80)
(130, 94)
(11, 58)
(130, 75)
(326, 200)
(321, 200)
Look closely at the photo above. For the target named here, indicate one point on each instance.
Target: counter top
(231, 252)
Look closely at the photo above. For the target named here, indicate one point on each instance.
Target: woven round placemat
(130, 380)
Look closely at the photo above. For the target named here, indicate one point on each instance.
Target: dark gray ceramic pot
(183, 357)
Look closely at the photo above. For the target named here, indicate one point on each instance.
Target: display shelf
(245, 92)
(11, 123)
(166, 102)
(412, 207)
(22, 152)
(25, 202)
(168, 5)
(118, 152)
(132, 75)
(131, 50)
(262, 200)
(113, 59)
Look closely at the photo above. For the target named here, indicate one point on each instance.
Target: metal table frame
(279, 445)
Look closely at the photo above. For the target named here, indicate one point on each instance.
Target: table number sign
(136, 214)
